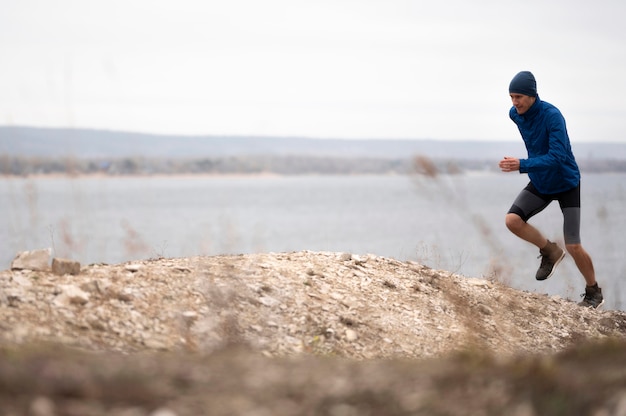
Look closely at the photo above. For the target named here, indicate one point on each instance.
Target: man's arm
(557, 147)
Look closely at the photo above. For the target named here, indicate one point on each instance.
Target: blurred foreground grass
(42, 380)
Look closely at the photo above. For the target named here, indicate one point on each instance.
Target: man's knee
(574, 249)
(513, 222)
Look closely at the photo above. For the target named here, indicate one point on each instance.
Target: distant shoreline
(263, 175)
(267, 175)
(140, 175)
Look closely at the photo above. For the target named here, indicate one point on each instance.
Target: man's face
(522, 102)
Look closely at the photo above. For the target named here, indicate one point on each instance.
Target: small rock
(268, 301)
(122, 295)
(42, 406)
(336, 296)
(133, 267)
(91, 286)
(349, 303)
(96, 324)
(12, 299)
(65, 266)
(154, 343)
(21, 280)
(351, 335)
(345, 257)
(485, 309)
(163, 411)
(32, 260)
(479, 282)
(313, 272)
(71, 295)
(189, 317)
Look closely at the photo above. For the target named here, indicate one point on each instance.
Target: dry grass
(582, 381)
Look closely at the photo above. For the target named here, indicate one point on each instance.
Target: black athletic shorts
(531, 202)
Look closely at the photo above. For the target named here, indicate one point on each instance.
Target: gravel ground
(302, 333)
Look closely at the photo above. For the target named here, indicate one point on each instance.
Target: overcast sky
(318, 68)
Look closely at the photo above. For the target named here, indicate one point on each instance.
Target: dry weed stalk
(221, 328)
(425, 166)
(426, 175)
(133, 242)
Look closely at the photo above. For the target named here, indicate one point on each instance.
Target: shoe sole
(591, 306)
(556, 263)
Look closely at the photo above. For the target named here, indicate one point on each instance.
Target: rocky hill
(299, 333)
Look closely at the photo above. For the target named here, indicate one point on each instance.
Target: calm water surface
(450, 222)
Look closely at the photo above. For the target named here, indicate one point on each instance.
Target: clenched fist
(509, 164)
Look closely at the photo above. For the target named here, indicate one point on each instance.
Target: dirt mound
(289, 303)
(139, 334)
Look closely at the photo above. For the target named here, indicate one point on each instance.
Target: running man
(554, 176)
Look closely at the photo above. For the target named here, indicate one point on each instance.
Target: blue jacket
(551, 165)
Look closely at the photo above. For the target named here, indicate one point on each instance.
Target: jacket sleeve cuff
(523, 166)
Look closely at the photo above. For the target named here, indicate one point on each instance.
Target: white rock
(134, 267)
(189, 317)
(351, 335)
(479, 282)
(268, 301)
(71, 295)
(21, 280)
(32, 260)
(336, 296)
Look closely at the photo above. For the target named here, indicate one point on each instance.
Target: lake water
(449, 222)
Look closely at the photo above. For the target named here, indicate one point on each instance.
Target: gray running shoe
(592, 297)
(551, 255)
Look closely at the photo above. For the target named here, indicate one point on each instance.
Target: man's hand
(509, 164)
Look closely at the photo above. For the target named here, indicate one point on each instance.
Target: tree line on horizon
(248, 165)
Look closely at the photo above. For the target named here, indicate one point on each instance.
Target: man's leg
(583, 262)
(570, 205)
(593, 297)
(524, 230)
(527, 204)
(551, 254)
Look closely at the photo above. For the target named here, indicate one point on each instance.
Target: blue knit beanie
(523, 83)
